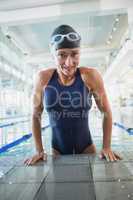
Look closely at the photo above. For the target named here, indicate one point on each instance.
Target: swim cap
(64, 36)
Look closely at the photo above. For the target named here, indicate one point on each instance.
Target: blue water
(121, 140)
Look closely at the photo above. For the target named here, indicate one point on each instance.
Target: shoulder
(91, 77)
(45, 73)
(43, 76)
(90, 72)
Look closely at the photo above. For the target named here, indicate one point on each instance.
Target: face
(67, 60)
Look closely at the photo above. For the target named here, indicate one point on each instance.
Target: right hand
(36, 158)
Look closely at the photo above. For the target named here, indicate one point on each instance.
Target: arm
(36, 115)
(102, 102)
(95, 82)
(36, 120)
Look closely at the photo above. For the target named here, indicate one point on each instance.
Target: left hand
(109, 155)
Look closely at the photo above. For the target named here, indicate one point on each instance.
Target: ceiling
(30, 24)
(95, 30)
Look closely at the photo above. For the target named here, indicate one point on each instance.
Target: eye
(74, 54)
(72, 36)
(57, 38)
(62, 55)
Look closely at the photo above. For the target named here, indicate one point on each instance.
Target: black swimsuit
(68, 109)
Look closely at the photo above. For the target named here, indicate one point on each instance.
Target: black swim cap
(71, 38)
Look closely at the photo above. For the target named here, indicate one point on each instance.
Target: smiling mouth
(68, 69)
(65, 67)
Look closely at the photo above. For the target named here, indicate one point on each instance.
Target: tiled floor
(73, 177)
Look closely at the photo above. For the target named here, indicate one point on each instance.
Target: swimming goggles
(72, 36)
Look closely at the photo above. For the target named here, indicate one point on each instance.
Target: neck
(65, 80)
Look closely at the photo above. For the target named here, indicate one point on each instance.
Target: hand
(109, 155)
(37, 157)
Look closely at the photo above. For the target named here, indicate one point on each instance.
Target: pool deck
(71, 177)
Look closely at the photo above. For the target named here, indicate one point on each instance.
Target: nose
(69, 61)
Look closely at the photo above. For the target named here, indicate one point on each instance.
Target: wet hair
(63, 30)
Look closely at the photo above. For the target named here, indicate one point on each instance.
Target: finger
(104, 156)
(29, 161)
(112, 157)
(34, 160)
(45, 158)
(101, 156)
(117, 156)
(107, 157)
(25, 161)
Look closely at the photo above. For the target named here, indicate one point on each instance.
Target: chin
(68, 73)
